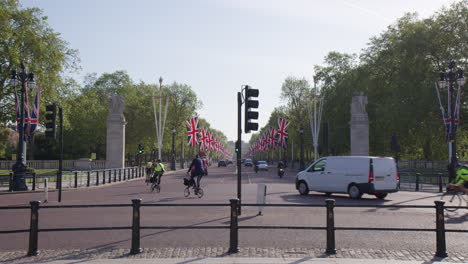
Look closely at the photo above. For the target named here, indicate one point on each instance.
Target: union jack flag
(204, 139)
(210, 142)
(282, 132)
(272, 138)
(35, 113)
(192, 131)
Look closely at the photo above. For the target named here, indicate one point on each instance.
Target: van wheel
(381, 195)
(303, 189)
(354, 192)
(328, 194)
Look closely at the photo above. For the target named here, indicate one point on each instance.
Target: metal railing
(330, 228)
(76, 179)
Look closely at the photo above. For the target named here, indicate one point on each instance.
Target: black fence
(75, 179)
(234, 227)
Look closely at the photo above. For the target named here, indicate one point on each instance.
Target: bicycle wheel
(451, 199)
(200, 193)
(187, 192)
(158, 188)
(152, 187)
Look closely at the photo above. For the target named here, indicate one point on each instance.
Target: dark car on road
(248, 163)
(221, 163)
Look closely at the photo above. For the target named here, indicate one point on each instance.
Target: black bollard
(76, 179)
(97, 178)
(136, 227)
(330, 203)
(234, 237)
(10, 184)
(120, 174)
(440, 230)
(34, 229)
(103, 177)
(34, 181)
(440, 182)
(88, 179)
(417, 181)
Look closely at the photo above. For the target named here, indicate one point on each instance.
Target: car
(221, 163)
(354, 175)
(261, 165)
(248, 163)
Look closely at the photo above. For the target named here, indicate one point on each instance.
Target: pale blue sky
(215, 46)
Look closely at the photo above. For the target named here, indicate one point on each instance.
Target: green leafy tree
(26, 36)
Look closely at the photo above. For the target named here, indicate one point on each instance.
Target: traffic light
(51, 116)
(141, 149)
(250, 113)
(237, 146)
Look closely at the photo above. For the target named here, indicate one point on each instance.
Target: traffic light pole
(61, 155)
(239, 151)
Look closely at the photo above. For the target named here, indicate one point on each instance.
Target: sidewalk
(212, 255)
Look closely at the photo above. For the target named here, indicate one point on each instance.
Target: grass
(38, 172)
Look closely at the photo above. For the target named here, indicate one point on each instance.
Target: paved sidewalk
(211, 255)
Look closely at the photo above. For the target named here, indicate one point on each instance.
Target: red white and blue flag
(282, 132)
(272, 138)
(204, 139)
(192, 131)
(34, 120)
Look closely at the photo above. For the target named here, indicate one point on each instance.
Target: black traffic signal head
(51, 116)
(237, 145)
(250, 102)
(141, 149)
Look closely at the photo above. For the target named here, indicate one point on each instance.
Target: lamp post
(301, 132)
(20, 167)
(453, 109)
(173, 163)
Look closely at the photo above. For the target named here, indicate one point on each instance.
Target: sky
(216, 46)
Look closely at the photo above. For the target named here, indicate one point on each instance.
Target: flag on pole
(282, 132)
(35, 113)
(192, 131)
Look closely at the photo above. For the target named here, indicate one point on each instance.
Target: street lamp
(301, 132)
(173, 163)
(20, 167)
(453, 109)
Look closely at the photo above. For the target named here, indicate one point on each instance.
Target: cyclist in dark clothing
(196, 169)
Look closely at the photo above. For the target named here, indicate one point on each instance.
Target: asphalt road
(220, 186)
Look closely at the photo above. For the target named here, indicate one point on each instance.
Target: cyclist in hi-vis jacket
(461, 180)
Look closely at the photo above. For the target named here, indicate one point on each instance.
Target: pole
(302, 149)
(61, 154)
(239, 140)
(19, 168)
(173, 163)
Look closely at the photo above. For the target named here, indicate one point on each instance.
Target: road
(220, 186)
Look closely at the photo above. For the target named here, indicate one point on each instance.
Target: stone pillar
(359, 125)
(115, 144)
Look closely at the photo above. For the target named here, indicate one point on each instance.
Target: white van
(354, 175)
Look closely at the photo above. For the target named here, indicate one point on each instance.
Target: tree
(27, 36)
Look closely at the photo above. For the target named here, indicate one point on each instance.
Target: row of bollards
(234, 228)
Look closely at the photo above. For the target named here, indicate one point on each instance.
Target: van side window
(319, 166)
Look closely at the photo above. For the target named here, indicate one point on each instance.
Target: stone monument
(115, 147)
(359, 125)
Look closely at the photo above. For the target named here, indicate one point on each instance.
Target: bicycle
(154, 185)
(191, 183)
(453, 198)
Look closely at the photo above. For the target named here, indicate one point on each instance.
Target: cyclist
(460, 180)
(196, 169)
(158, 171)
(149, 170)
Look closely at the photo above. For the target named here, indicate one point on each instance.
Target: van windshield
(319, 166)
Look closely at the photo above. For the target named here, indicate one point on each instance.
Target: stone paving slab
(221, 252)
